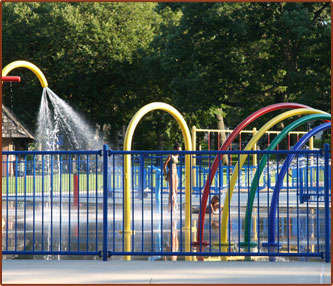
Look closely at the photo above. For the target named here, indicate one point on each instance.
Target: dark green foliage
(244, 56)
(109, 59)
(87, 51)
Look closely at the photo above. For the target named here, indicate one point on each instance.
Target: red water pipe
(230, 163)
(76, 191)
(230, 139)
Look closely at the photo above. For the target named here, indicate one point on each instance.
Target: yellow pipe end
(24, 64)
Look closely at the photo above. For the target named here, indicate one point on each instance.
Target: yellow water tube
(24, 64)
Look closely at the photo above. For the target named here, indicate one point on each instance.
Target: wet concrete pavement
(149, 272)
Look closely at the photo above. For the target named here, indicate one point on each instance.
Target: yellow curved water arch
(24, 64)
(127, 169)
(249, 146)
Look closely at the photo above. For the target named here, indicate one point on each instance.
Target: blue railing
(72, 203)
(47, 205)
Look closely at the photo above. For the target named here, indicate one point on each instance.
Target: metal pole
(141, 176)
(194, 138)
(194, 163)
(311, 148)
(105, 202)
(327, 207)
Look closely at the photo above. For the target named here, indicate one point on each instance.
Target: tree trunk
(223, 137)
(106, 132)
(160, 142)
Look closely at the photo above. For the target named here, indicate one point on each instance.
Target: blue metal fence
(47, 204)
(72, 203)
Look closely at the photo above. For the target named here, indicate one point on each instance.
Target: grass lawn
(93, 182)
(66, 182)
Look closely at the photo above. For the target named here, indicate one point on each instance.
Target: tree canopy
(88, 52)
(206, 59)
(247, 55)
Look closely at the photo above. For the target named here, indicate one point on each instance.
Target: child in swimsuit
(172, 177)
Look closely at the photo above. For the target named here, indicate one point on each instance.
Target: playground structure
(283, 172)
(263, 161)
(250, 145)
(97, 188)
(209, 132)
(127, 147)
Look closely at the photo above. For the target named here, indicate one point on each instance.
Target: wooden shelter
(15, 136)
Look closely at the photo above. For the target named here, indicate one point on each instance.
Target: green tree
(240, 57)
(88, 52)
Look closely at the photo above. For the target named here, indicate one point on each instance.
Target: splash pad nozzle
(11, 78)
(24, 64)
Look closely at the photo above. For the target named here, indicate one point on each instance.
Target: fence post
(141, 178)
(327, 206)
(311, 148)
(105, 202)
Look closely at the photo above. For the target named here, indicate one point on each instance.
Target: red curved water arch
(225, 146)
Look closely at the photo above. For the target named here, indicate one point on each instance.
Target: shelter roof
(12, 127)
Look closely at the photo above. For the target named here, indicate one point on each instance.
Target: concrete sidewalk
(155, 272)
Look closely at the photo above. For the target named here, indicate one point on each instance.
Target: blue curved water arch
(279, 182)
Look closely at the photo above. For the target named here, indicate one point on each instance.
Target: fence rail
(72, 203)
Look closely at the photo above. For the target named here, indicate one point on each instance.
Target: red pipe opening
(11, 78)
